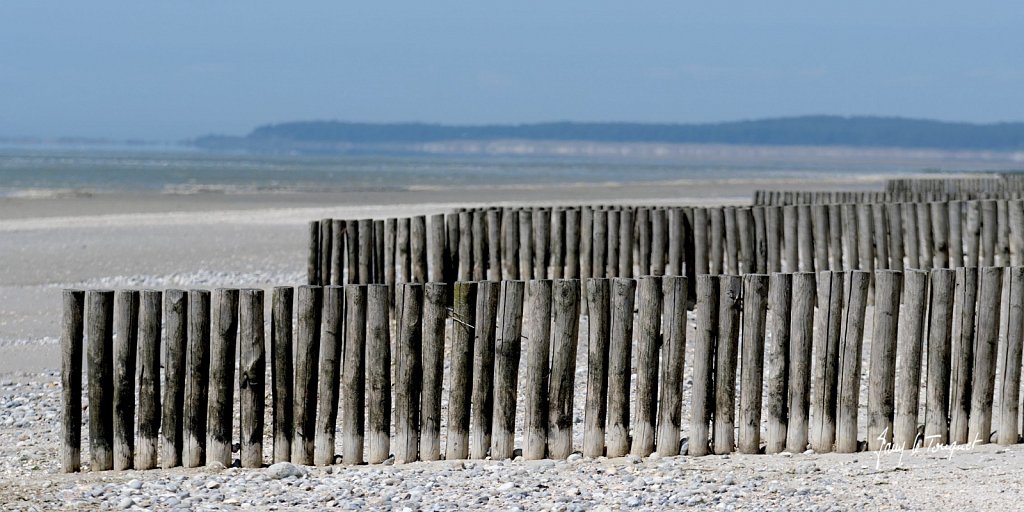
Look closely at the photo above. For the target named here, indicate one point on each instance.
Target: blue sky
(171, 70)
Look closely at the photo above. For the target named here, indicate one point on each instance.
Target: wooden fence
(342, 365)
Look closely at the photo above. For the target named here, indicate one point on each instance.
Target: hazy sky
(171, 70)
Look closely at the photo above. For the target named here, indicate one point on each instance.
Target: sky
(141, 69)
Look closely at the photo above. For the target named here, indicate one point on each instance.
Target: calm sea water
(33, 171)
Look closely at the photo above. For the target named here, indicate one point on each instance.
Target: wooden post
(703, 363)
(337, 252)
(776, 360)
(1010, 361)
(71, 339)
(378, 252)
(282, 372)
(418, 248)
(510, 244)
(176, 343)
(940, 313)
(850, 347)
(773, 238)
(330, 369)
(940, 235)
(910, 341)
(748, 256)
(880, 231)
(851, 240)
(620, 358)
(479, 245)
(461, 374)
(223, 336)
(252, 370)
(800, 343)
(572, 244)
(990, 291)
(525, 244)
(507, 351)
(599, 244)
(729, 308)
(100, 325)
(538, 354)
(827, 327)
(378, 373)
(673, 356)
(648, 341)
(366, 251)
(676, 244)
(972, 233)
(732, 241)
(755, 303)
(882, 367)
(459, 246)
(435, 300)
(926, 258)
(894, 218)
(962, 365)
(150, 326)
(307, 350)
(353, 383)
(313, 254)
(437, 248)
(761, 263)
(1015, 215)
(566, 306)
(326, 230)
(804, 253)
(626, 243)
(541, 243)
(988, 233)
(612, 255)
(643, 229)
(197, 378)
(819, 220)
(558, 243)
(659, 244)
(408, 375)
(483, 369)
(595, 410)
(716, 239)
(956, 241)
(835, 237)
(402, 252)
(911, 237)
(495, 245)
(700, 241)
(1002, 233)
(126, 325)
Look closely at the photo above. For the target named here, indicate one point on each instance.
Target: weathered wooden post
(940, 235)
(479, 246)
(538, 354)
(673, 356)
(956, 241)
(126, 325)
(352, 358)
(559, 243)
(804, 253)
(626, 243)
(175, 368)
(150, 326)
(732, 242)
(418, 248)
(894, 227)
(595, 410)
(100, 325)
(510, 244)
(776, 359)
(773, 238)
(408, 375)
(835, 237)
(851, 343)
(252, 366)
(676, 243)
(313, 254)
(507, 350)
(620, 352)
(71, 340)
(307, 350)
(461, 372)
(326, 231)
(378, 373)
(526, 244)
(337, 252)
(940, 313)
(435, 300)
(659, 244)
(197, 378)
(910, 341)
(223, 337)
(483, 369)
(612, 254)
(703, 363)
(748, 249)
(827, 328)
(729, 309)
(755, 304)
(648, 342)
(366, 246)
(330, 369)
(990, 291)
(819, 219)
(572, 244)
(1010, 362)
(882, 367)
(962, 365)
(282, 371)
(566, 293)
(495, 245)
(800, 343)
(760, 240)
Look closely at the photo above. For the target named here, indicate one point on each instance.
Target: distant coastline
(566, 138)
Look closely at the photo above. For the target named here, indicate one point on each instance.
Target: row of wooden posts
(585, 242)
(910, 190)
(799, 336)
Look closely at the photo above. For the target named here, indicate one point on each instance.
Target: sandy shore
(159, 240)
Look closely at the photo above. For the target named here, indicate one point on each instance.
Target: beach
(145, 239)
